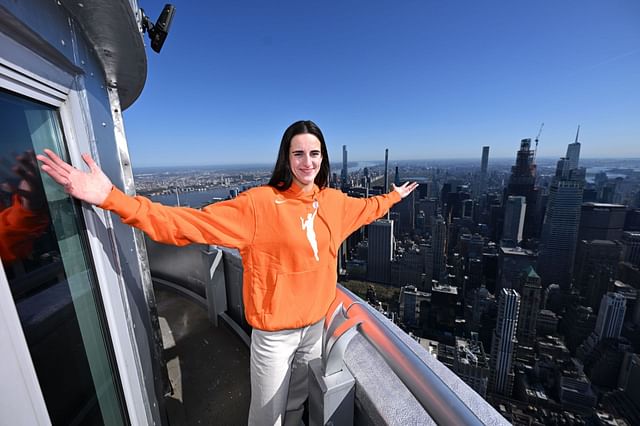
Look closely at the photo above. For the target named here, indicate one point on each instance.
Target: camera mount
(158, 32)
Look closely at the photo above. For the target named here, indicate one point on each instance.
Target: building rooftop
(516, 251)
(603, 205)
(471, 352)
(444, 288)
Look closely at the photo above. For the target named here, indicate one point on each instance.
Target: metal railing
(442, 403)
(439, 394)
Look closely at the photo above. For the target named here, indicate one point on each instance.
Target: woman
(288, 233)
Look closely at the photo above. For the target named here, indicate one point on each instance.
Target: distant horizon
(398, 161)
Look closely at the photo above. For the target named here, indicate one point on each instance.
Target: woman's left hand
(405, 189)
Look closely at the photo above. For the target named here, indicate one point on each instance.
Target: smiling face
(305, 158)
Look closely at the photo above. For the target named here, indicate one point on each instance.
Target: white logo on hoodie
(307, 225)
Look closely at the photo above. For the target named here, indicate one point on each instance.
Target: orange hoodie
(288, 241)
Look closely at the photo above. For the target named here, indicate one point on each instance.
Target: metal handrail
(434, 395)
(442, 403)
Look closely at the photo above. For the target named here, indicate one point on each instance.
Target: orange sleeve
(228, 223)
(361, 211)
(19, 228)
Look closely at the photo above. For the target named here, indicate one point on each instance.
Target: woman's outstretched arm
(92, 187)
(229, 223)
(361, 211)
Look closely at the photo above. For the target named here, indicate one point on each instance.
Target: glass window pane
(51, 275)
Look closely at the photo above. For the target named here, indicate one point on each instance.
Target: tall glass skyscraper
(344, 175)
(503, 342)
(560, 227)
(439, 246)
(380, 251)
(514, 216)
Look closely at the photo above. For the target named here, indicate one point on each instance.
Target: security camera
(158, 32)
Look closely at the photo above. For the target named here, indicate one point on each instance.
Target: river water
(194, 199)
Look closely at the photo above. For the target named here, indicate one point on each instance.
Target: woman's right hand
(92, 187)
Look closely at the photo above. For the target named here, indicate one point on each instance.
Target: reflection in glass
(50, 274)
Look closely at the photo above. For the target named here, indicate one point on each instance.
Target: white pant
(279, 373)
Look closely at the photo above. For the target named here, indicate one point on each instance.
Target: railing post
(215, 290)
(331, 385)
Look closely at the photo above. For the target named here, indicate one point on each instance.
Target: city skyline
(430, 80)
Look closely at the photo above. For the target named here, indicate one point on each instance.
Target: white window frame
(22, 399)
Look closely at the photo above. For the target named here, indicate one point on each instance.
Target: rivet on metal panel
(80, 5)
(104, 124)
(62, 41)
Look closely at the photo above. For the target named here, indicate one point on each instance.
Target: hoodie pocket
(291, 287)
(296, 297)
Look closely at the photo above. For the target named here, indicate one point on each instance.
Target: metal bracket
(339, 331)
(215, 289)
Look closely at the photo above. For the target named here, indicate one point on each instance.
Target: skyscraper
(406, 209)
(380, 250)
(530, 307)
(599, 221)
(386, 171)
(439, 247)
(514, 215)
(573, 152)
(367, 179)
(503, 343)
(522, 183)
(481, 185)
(344, 174)
(608, 326)
(611, 316)
(485, 160)
(560, 227)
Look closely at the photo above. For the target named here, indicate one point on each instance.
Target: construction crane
(535, 152)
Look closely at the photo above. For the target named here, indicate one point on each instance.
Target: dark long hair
(281, 178)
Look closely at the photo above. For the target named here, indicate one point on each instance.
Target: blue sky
(427, 79)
